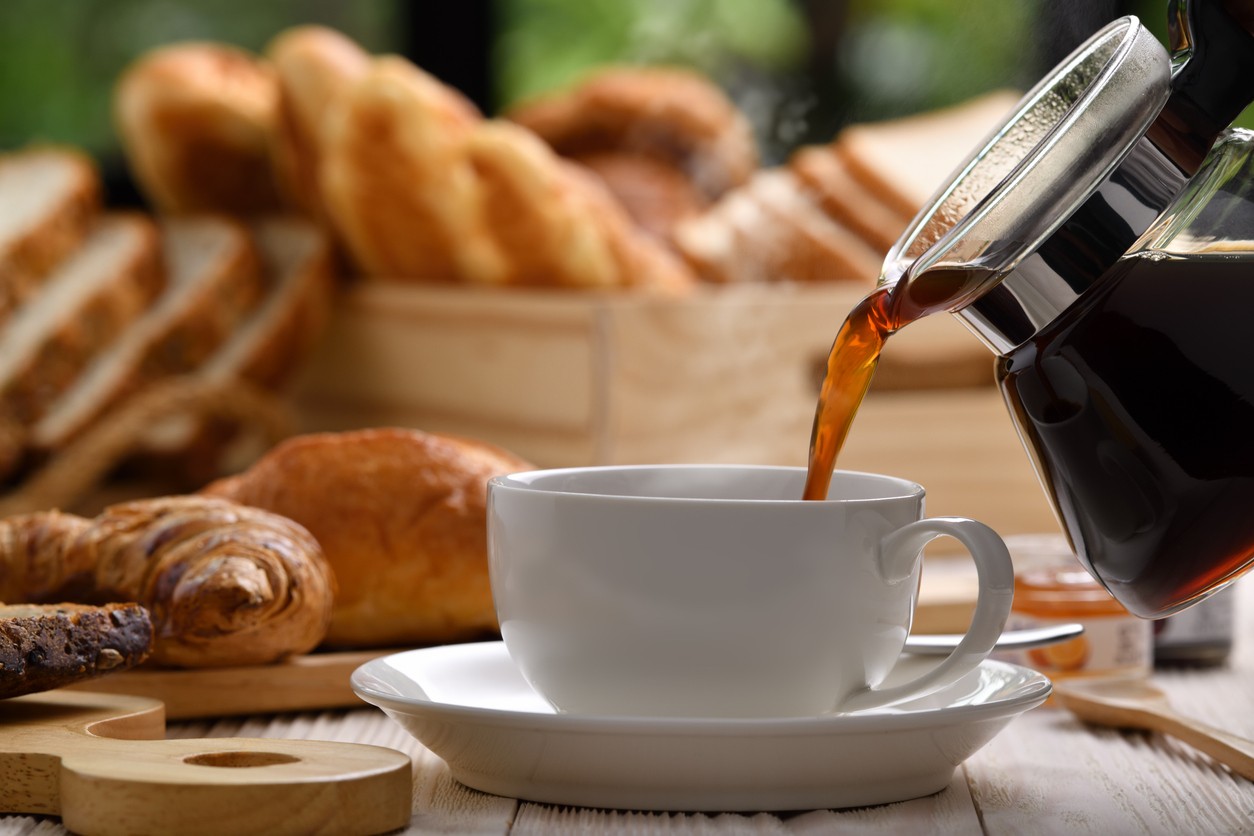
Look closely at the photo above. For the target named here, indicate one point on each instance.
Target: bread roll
(195, 120)
(556, 224)
(395, 179)
(401, 517)
(668, 114)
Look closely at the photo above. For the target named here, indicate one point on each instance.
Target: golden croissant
(225, 584)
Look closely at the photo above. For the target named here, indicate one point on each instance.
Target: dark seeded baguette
(46, 646)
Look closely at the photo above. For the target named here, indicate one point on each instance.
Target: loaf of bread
(262, 352)
(834, 210)
(225, 584)
(401, 516)
(827, 182)
(904, 161)
(52, 645)
(768, 230)
(196, 121)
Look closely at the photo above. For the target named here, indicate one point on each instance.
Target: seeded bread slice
(87, 301)
(48, 199)
(213, 283)
(903, 161)
(266, 350)
(46, 646)
(769, 230)
(268, 347)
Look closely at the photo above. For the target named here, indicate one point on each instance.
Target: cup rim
(526, 482)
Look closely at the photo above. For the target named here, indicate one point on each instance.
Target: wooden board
(99, 762)
(307, 683)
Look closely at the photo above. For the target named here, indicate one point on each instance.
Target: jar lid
(1063, 592)
(1053, 153)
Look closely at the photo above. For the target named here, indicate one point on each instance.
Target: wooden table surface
(1046, 773)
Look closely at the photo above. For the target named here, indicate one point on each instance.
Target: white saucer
(470, 705)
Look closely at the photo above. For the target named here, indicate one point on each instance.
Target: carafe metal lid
(1071, 137)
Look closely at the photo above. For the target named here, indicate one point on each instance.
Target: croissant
(225, 584)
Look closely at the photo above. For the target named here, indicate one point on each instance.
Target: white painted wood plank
(1049, 773)
(1046, 774)
(947, 813)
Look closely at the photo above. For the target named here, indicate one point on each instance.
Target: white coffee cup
(715, 591)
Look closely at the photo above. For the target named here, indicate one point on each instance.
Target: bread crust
(401, 516)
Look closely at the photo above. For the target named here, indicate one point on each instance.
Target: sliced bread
(904, 161)
(769, 231)
(48, 199)
(213, 283)
(269, 345)
(86, 302)
(46, 646)
(265, 351)
(829, 184)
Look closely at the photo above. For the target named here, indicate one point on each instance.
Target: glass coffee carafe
(1102, 245)
(1138, 401)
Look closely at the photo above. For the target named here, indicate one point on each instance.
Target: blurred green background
(800, 69)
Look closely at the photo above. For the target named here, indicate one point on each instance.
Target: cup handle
(898, 553)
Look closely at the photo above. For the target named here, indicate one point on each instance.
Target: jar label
(1109, 645)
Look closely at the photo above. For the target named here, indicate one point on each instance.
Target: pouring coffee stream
(1105, 253)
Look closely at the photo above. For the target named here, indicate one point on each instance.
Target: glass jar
(1052, 587)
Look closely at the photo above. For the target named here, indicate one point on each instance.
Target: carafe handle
(1212, 52)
